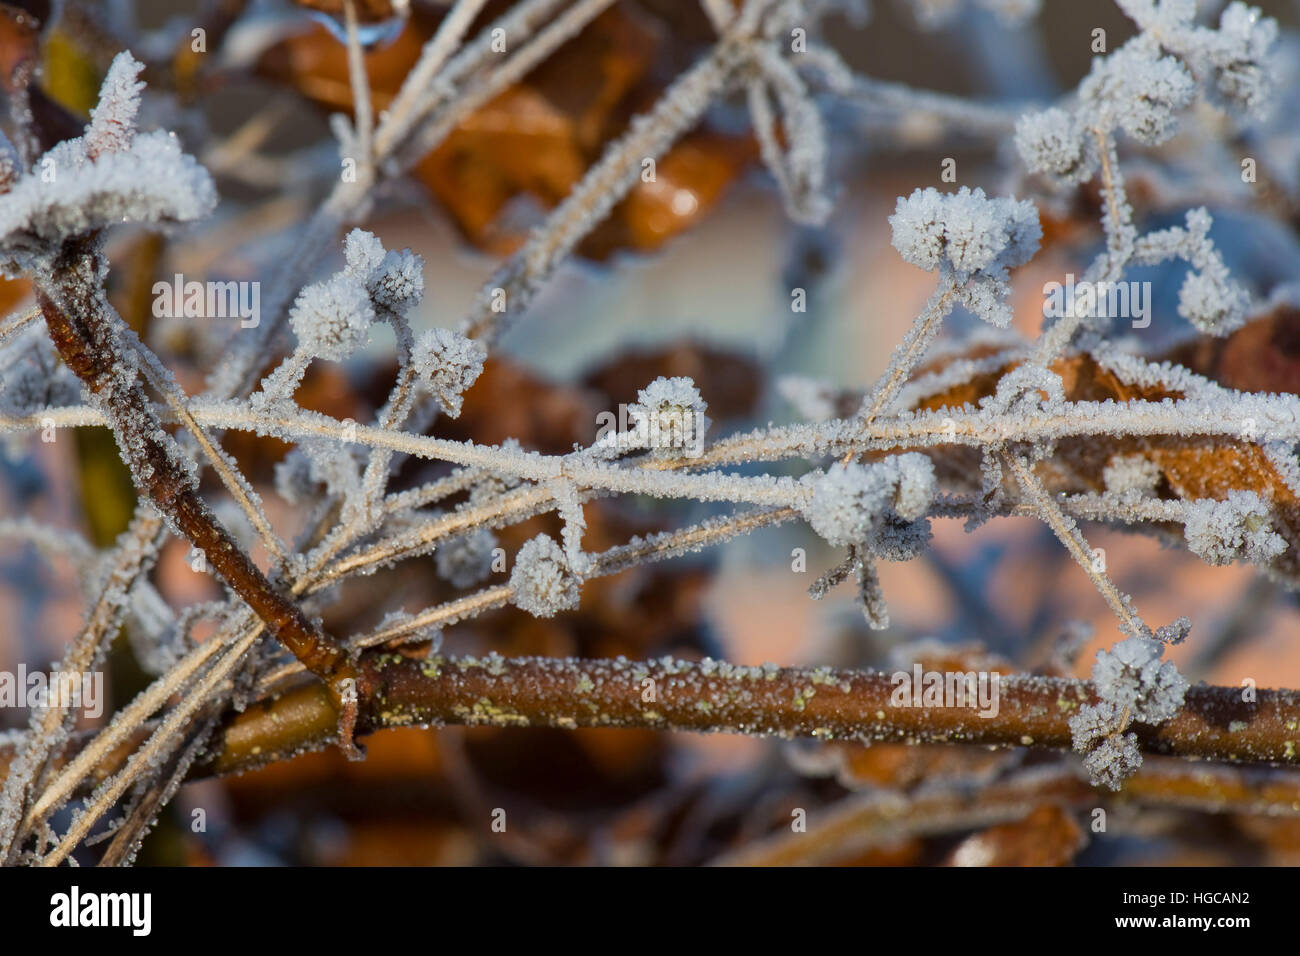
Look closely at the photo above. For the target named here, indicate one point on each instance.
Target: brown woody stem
(81, 328)
(1033, 712)
(1216, 724)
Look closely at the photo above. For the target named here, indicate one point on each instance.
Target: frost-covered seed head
(917, 225)
(448, 363)
(672, 414)
(1215, 305)
(853, 503)
(1239, 527)
(1138, 90)
(332, 318)
(362, 253)
(1051, 142)
(1113, 761)
(974, 233)
(542, 583)
(1243, 76)
(1131, 675)
(399, 281)
(1092, 723)
(466, 559)
(395, 279)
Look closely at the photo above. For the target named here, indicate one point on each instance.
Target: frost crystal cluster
(854, 503)
(1235, 529)
(541, 581)
(1134, 685)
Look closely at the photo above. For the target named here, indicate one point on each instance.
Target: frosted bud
(1242, 75)
(673, 415)
(917, 225)
(363, 252)
(1139, 90)
(399, 281)
(1216, 305)
(332, 318)
(1221, 532)
(851, 503)
(448, 363)
(1051, 142)
(394, 279)
(542, 583)
(974, 233)
(1132, 676)
(1113, 761)
(466, 559)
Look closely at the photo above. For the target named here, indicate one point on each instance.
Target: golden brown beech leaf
(531, 144)
(1049, 836)
(1190, 467)
(13, 291)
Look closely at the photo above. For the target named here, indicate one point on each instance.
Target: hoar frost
(1133, 684)
(671, 413)
(852, 503)
(394, 280)
(542, 583)
(465, 559)
(332, 318)
(1236, 528)
(978, 238)
(448, 363)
